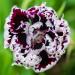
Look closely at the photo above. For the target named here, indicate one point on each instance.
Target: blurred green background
(66, 65)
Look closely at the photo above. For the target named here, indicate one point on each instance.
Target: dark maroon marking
(47, 43)
(67, 32)
(35, 19)
(22, 39)
(10, 36)
(18, 61)
(38, 46)
(22, 50)
(16, 18)
(51, 34)
(61, 25)
(43, 18)
(57, 43)
(27, 48)
(44, 27)
(51, 28)
(44, 57)
(35, 31)
(64, 41)
(32, 12)
(25, 55)
(52, 11)
(60, 33)
(52, 21)
(62, 46)
(21, 63)
(31, 9)
(45, 60)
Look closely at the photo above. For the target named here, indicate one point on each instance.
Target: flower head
(37, 37)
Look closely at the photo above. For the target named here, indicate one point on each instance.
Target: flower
(37, 37)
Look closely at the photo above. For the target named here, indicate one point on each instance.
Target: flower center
(37, 40)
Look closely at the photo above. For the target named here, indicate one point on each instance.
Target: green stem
(25, 4)
(61, 9)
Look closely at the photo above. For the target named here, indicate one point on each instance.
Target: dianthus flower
(36, 36)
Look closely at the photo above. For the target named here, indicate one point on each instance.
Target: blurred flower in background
(66, 65)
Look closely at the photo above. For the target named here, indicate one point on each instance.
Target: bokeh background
(66, 65)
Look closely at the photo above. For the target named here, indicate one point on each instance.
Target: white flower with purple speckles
(37, 37)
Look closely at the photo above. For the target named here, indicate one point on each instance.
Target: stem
(61, 9)
(25, 4)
